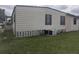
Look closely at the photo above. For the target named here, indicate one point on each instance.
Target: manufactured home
(36, 20)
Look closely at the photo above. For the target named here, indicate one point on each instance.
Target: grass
(62, 43)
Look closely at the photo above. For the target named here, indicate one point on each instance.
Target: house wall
(55, 18)
(69, 24)
(30, 18)
(78, 23)
(31, 21)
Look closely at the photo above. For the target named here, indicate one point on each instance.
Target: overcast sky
(8, 9)
(73, 9)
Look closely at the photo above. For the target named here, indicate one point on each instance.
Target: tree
(2, 15)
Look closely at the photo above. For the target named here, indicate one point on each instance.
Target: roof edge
(45, 7)
(39, 7)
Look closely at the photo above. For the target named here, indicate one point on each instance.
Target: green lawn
(62, 43)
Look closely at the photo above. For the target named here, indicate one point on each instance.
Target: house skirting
(36, 33)
(29, 33)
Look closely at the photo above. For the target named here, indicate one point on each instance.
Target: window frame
(48, 19)
(62, 20)
(75, 21)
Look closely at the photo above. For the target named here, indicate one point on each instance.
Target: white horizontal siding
(28, 18)
(69, 24)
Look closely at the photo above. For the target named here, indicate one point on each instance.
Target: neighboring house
(2, 19)
(2, 15)
(35, 20)
(8, 23)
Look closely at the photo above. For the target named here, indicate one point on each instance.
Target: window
(48, 19)
(62, 20)
(75, 21)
